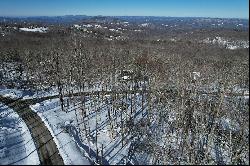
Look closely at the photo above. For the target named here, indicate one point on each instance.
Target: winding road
(45, 145)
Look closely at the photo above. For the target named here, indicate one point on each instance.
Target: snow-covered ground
(39, 29)
(75, 135)
(12, 93)
(55, 120)
(26, 94)
(232, 45)
(101, 118)
(74, 131)
(144, 25)
(16, 144)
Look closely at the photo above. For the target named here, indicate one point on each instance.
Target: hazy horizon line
(13, 16)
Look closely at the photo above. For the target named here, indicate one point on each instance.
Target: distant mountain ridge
(195, 22)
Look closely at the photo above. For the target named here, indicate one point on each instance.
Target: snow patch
(40, 29)
(232, 45)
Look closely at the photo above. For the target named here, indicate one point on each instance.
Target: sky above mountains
(173, 8)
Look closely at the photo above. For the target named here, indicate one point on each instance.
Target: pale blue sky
(178, 8)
